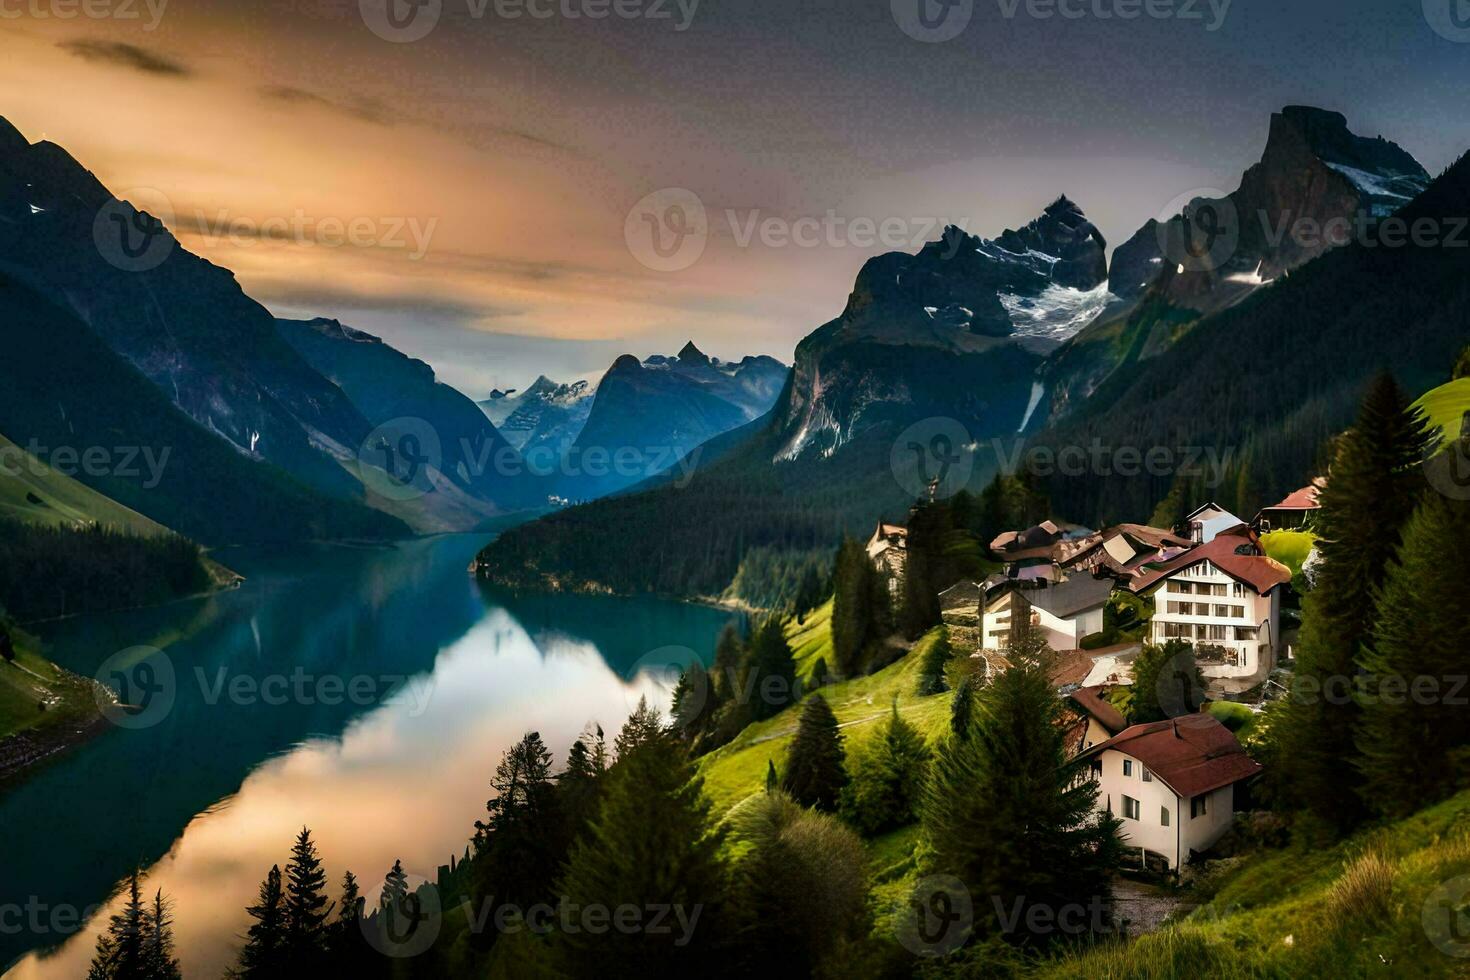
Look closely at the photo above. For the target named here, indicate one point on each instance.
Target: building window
(1127, 767)
(1239, 591)
(1217, 632)
(1163, 816)
(1218, 589)
(1148, 777)
(1196, 806)
(1096, 769)
(1130, 808)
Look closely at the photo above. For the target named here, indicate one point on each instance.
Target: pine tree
(644, 725)
(306, 904)
(1373, 486)
(1167, 682)
(814, 766)
(770, 671)
(122, 951)
(264, 955)
(773, 781)
(693, 706)
(1007, 812)
(853, 612)
(345, 939)
(395, 886)
(725, 679)
(888, 774)
(578, 785)
(1414, 733)
(653, 843)
(520, 845)
(931, 669)
(159, 960)
(803, 885)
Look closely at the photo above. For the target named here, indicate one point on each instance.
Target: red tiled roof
(1303, 499)
(1192, 755)
(1091, 700)
(1258, 571)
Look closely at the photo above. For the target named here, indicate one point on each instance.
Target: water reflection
(211, 797)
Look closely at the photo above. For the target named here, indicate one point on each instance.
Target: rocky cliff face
(956, 331)
(546, 414)
(1315, 184)
(183, 322)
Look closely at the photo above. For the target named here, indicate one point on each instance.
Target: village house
(1064, 611)
(888, 551)
(1208, 521)
(1035, 552)
(1224, 597)
(1294, 511)
(1172, 784)
(1089, 719)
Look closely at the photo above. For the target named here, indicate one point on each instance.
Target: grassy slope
(1289, 547)
(1284, 914)
(734, 771)
(63, 500)
(1447, 405)
(33, 679)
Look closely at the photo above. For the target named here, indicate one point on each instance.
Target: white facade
(1233, 628)
(1155, 818)
(1061, 633)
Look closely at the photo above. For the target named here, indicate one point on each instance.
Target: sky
(507, 188)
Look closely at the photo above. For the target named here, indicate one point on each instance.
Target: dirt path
(1141, 907)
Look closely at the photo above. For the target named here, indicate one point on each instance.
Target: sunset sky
(489, 167)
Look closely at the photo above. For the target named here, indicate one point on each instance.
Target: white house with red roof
(1172, 784)
(1224, 597)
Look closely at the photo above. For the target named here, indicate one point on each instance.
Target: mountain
(475, 473)
(66, 392)
(1316, 186)
(1272, 378)
(646, 416)
(545, 414)
(181, 321)
(1314, 173)
(956, 331)
(952, 333)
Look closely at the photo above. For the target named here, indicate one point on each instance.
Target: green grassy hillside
(41, 707)
(34, 493)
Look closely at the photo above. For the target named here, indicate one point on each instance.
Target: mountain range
(939, 354)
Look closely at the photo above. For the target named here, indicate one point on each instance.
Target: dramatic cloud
(126, 56)
(365, 110)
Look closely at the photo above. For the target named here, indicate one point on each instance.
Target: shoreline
(26, 752)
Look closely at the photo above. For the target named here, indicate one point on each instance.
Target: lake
(366, 693)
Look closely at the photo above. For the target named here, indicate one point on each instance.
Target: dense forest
(47, 572)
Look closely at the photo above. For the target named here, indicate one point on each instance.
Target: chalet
(1089, 719)
(1065, 611)
(1173, 785)
(888, 551)
(1033, 553)
(1224, 597)
(1204, 523)
(1119, 549)
(1294, 511)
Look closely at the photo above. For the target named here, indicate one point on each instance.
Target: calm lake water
(365, 693)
